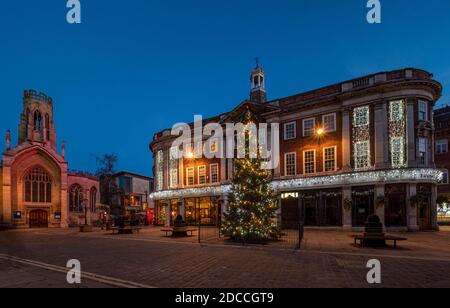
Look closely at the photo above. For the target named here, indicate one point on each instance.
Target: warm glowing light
(189, 154)
(320, 132)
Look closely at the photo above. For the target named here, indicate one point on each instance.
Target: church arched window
(76, 197)
(93, 200)
(38, 186)
(37, 121)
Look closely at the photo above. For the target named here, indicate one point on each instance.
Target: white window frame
(325, 160)
(188, 171)
(304, 162)
(286, 137)
(368, 155)
(211, 173)
(423, 103)
(285, 164)
(199, 176)
(355, 118)
(439, 144)
(334, 122)
(425, 140)
(313, 127)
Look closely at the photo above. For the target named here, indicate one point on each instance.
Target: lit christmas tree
(252, 204)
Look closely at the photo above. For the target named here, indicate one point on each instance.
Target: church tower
(36, 121)
(258, 85)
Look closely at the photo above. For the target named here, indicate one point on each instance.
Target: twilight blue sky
(135, 67)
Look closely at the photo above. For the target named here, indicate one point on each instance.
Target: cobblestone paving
(328, 261)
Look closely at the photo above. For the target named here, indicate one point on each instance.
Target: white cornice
(426, 175)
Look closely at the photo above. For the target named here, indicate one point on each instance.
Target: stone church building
(36, 187)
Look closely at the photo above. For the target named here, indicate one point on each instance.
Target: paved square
(328, 259)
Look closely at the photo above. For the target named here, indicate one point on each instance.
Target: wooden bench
(170, 230)
(126, 230)
(362, 239)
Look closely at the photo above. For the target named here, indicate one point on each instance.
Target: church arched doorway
(38, 219)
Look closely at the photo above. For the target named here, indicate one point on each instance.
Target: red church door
(38, 219)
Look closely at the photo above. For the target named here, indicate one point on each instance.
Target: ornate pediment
(248, 111)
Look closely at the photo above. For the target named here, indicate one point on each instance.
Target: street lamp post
(86, 227)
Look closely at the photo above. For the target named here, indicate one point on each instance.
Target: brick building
(347, 150)
(442, 156)
(442, 153)
(36, 188)
(134, 194)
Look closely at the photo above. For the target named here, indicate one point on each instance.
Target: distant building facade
(133, 193)
(36, 187)
(375, 155)
(442, 153)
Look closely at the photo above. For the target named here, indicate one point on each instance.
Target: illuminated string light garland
(347, 179)
(361, 138)
(397, 133)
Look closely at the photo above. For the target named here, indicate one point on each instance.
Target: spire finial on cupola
(258, 84)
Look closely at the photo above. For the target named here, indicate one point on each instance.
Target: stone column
(230, 168)
(413, 224)
(7, 202)
(64, 199)
(381, 136)
(168, 215)
(346, 146)
(166, 169)
(411, 134)
(346, 214)
(433, 142)
(380, 211)
(433, 204)
(183, 209)
(277, 170)
(223, 163)
(181, 173)
(223, 170)
(273, 149)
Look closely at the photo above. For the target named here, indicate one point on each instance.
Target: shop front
(395, 206)
(320, 208)
(204, 211)
(362, 205)
(424, 213)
